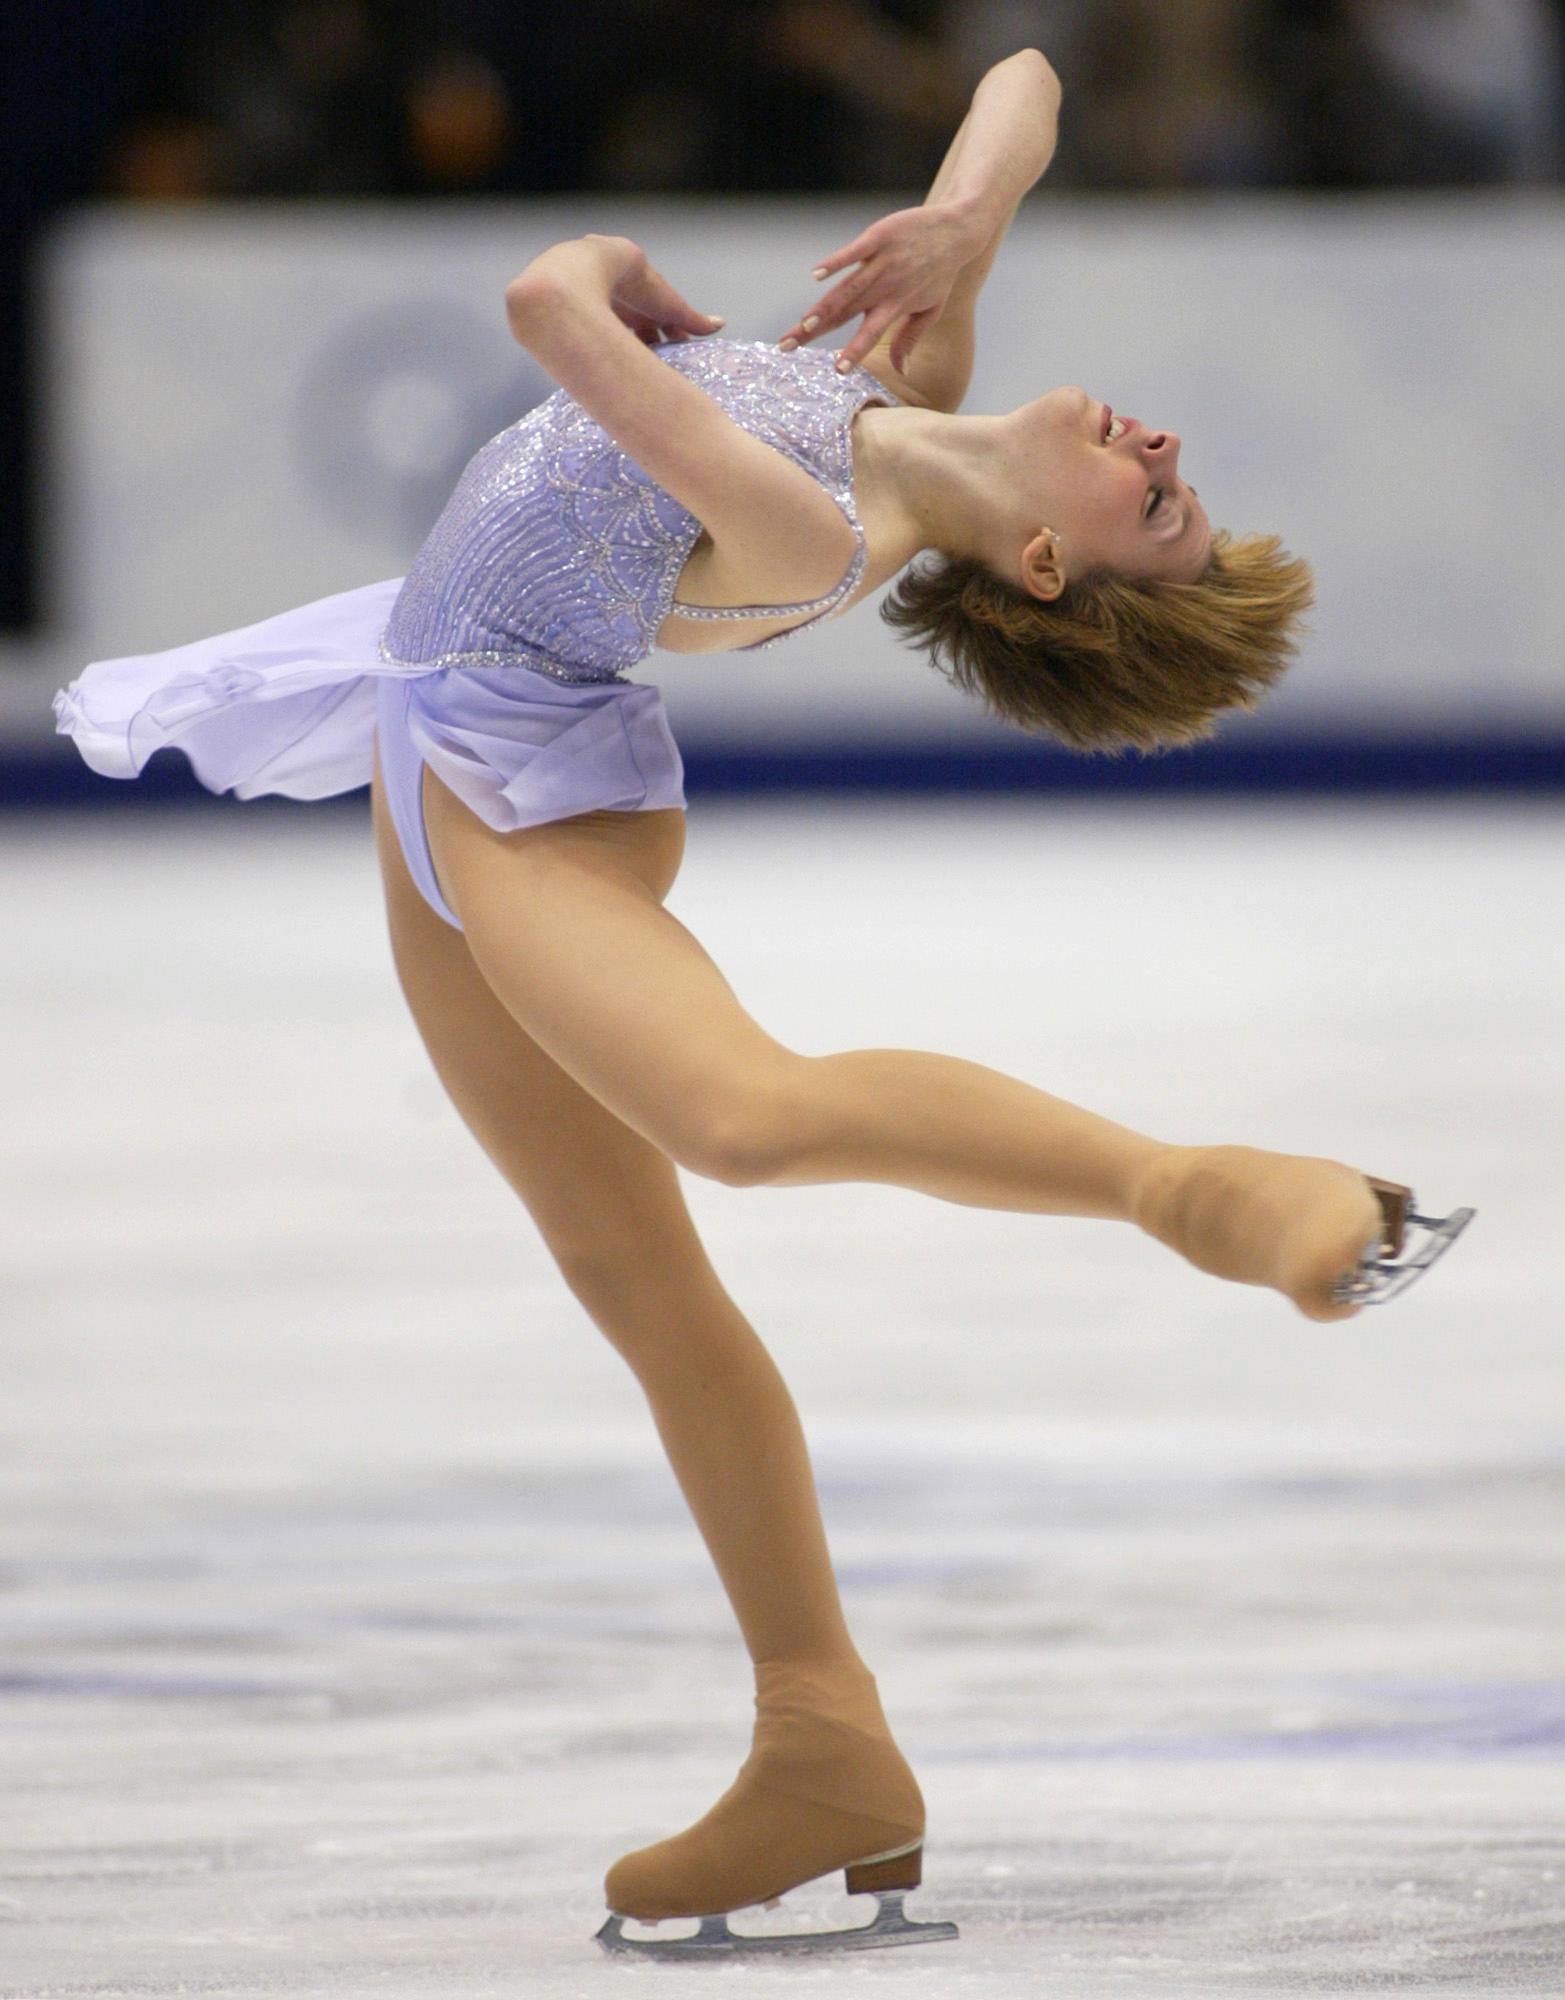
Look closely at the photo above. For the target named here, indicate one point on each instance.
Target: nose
(1162, 448)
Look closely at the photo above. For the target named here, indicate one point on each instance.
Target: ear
(1042, 573)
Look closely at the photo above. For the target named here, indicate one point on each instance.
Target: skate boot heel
(1379, 1275)
(1396, 1202)
(902, 1868)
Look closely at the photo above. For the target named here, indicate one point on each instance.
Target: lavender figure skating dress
(501, 658)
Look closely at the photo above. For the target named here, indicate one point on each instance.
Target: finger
(803, 331)
(835, 310)
(818, 320)
(850, 253)
(835, 306)
(694, 321)
(846, 300)
(875, 324)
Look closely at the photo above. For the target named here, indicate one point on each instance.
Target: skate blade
(715, 1940)
(1379, 1278)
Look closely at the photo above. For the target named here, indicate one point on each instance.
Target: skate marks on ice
(1141, 1774)
(351, 1626)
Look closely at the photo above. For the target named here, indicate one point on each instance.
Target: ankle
(1154, 1182)
(839, 1684)
(818, 1673)
(845, 1663)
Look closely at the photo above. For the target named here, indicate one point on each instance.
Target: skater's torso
(557, 551)
(701, 582)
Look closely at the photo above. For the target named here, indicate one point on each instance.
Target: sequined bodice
(556, 551)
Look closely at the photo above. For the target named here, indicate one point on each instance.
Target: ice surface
(353, 1624)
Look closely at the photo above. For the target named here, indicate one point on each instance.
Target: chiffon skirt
(294, 705)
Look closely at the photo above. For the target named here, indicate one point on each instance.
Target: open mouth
(1113, 427)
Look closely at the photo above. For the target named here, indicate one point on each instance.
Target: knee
(746, 1138)
(603, 1267)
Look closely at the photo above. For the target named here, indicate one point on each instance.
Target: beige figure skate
(1323, 1234)
(824, 1787)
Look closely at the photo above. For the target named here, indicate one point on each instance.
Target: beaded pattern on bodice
(557, 552)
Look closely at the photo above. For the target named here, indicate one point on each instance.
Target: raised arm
(920, 270)
(574, 308)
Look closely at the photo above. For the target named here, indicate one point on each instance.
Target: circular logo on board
(391, 406)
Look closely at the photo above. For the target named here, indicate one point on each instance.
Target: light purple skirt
(293, 705)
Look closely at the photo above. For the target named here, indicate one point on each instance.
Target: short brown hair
(1114, 663)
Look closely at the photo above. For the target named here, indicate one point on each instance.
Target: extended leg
(585, 957)
(617, 990)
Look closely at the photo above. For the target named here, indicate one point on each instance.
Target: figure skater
(700, 494)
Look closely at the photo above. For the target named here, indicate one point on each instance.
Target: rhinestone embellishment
(556, 552)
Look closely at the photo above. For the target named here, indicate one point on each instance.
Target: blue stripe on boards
(55, 778)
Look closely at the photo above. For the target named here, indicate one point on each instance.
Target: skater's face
(1108, 496)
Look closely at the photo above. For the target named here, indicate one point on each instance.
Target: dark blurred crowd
(300, 97)
(181, 100)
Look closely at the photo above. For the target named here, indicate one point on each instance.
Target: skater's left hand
(907, 263)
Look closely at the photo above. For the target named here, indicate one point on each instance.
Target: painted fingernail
(788, 345)
(811, 323)
(843, 364)
(819, 271)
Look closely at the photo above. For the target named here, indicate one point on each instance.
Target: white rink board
(258, 407)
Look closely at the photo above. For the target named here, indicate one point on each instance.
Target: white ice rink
(352, 1621)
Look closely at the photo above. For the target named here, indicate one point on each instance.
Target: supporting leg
(734, 1440)
(825, 1784)
(610, 1207)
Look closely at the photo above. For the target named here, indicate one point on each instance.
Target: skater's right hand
(907, 263)
(617, 270)
(649, 305)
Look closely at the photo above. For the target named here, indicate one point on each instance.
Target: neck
(935, 480)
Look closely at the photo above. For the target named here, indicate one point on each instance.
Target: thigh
(565, 921)
(599, 1192)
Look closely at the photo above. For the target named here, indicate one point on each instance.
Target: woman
(705, 495)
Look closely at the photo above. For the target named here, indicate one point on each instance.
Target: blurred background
(252, 325)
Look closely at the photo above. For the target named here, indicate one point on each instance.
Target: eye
(1156, 502)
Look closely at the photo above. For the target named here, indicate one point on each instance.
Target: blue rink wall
(35, 778)
(254, 407)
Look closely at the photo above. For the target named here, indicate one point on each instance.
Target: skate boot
(824, 1787)
(1315, 1230)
